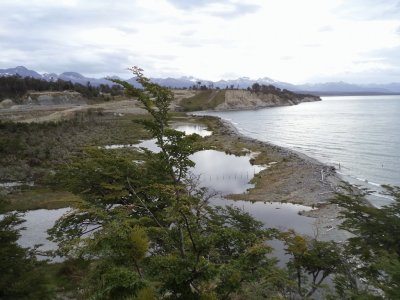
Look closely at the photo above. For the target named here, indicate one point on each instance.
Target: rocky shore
(291, 177)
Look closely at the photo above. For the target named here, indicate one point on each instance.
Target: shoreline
(301, 182)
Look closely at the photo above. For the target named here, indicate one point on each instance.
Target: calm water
(361, 133)
(230, 174)
(215, 170)
(36, 224)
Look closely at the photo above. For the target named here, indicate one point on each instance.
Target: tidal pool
(278, 215)
(224, 173)
(150, 144)
(37, 222)
(192, 128)
(220, 172)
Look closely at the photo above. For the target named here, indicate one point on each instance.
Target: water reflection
(192, 128)
(230, 174)
(37, 223)
(151, 145)
(226, 174)
(282, 216)
(218, 171)
(359, 135)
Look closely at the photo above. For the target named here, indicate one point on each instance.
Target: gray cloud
(390, 55)
(51, 35)
(237, 10)
(234, 9)
(370, 9)
(192, 4)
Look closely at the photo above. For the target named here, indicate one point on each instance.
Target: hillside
(243, 99)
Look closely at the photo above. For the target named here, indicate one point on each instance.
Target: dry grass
(203, 100)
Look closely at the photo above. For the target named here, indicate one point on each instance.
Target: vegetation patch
(29, 151)
(39, 198)
(203, 100)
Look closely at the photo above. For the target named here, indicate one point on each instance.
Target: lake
(359, 135)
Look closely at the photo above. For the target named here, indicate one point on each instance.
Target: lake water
(37, 222)
(359, 135)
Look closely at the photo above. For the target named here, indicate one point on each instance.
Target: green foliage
(143, 227)
(20, 274)
(374, 250)
(311, 262)
(282, 93)
(15, 87)
(29, 151)
(139, 242)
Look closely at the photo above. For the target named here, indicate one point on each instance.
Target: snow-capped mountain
(329, 88)
(21, 71)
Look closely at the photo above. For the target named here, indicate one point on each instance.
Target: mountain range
(328, 88)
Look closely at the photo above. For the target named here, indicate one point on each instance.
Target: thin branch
(142, 202)
(189, 231)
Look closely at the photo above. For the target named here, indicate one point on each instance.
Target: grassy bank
(203, 100)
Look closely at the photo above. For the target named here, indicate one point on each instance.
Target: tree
(311, 262)
(144, 226)
(21, 276)
(374, 250)
(256, 87)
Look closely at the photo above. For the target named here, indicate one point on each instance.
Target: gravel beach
(294, 178)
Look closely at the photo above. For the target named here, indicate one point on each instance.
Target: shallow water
(11, 184)
(217, 171)
(226, 174)
(37, 222)
(282, 216)
(230, 174)
(192, 128)
(359, 135)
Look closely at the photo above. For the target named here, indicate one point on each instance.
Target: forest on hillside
(15, 87)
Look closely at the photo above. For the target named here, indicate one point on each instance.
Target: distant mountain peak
(72, 74)
(244, 82)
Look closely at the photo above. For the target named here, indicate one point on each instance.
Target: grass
(39, 198)
(29, 151)
(203, 100)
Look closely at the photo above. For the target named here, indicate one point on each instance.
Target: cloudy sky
(289, 40)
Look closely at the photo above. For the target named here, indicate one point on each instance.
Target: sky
(356, 41)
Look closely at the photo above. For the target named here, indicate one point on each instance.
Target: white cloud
(287, 40)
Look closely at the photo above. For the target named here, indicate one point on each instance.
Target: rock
(54, 98)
